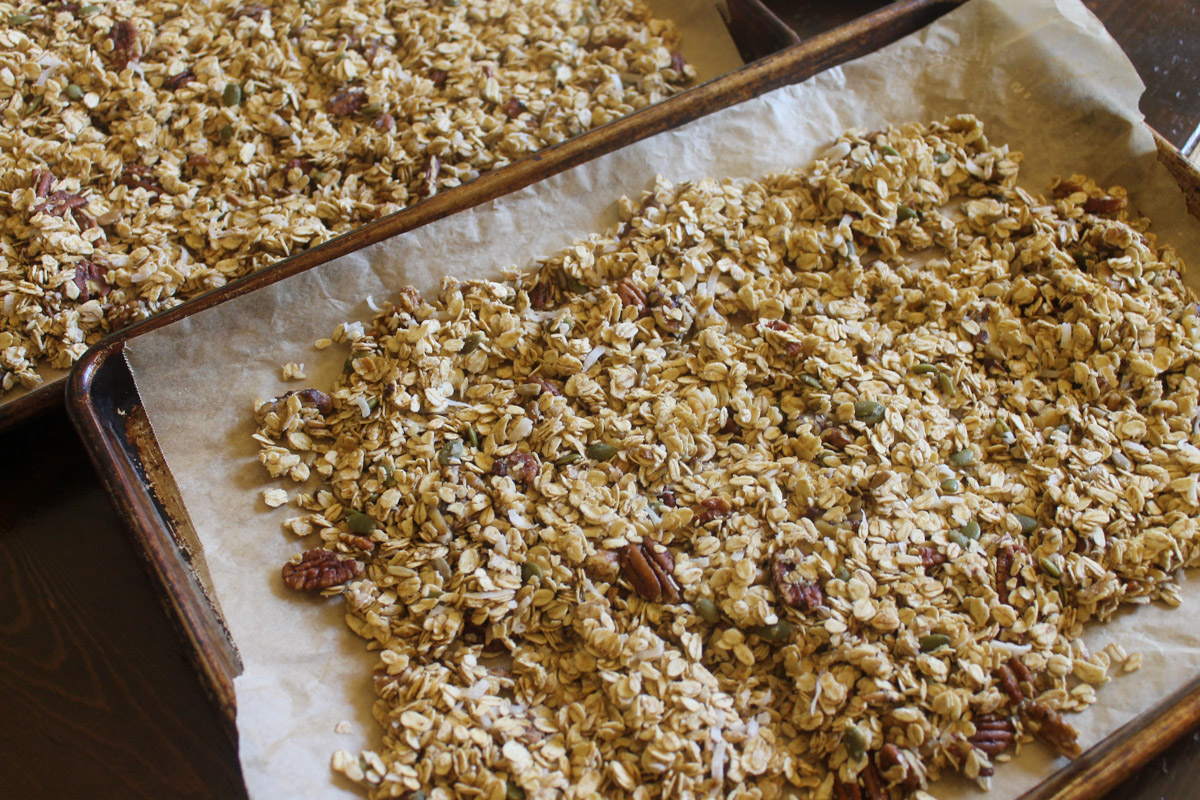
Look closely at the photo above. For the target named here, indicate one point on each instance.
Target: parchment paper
(1043, 74)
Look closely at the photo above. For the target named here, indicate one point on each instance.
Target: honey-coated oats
(807, 485)
(152, 151)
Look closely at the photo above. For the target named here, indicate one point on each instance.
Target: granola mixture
(810, 482)
(152, 151)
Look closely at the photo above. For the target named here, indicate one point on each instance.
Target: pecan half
(59, 203)
(631, 295)
(648, 567)
(319, 569)
(1104, 205)
(1008, 684)
(126, 47)
(993, 734)
(139, 176)
(837, 438)
(1049, 726)
(346, 102)
(179, 80)
(930, 557)
(521, 467)
(803, 595)
(91, 280)
(709, 509)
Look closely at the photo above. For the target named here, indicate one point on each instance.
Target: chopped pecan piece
(384, 122)
(438, 76)
(678, 62)
(354, 540)
(615, 42)
(667, 496)
(930, 557)
(179, 80)
(837, 438)
(648, 567)
(1104, 205)
(1005, 557)
(541, 295)
(91, 280)
(993, 734)
(313, 398)
(1008, 684)
(709, 509)
(889, 758)
(139, 176)
(253, 11)
(303, 164)
(429, 176)
(873, 783)
(346, 102)
(1066, 189)
(1020, 671)
(514, 108)
(631, 295)
(59, 203)
(43, 182)
(1049, 726)
(845, 791)
(126, 47)
(803, 595)
(319, 569)
(546, 385)
(521, 467)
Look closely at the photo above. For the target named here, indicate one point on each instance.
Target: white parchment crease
(1043, 75)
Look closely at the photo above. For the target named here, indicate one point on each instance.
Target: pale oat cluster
(810, 482)
(151, 151)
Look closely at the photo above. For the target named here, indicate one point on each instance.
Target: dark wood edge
(102, 435)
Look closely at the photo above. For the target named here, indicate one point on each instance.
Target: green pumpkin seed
(1049, 567)
(841, 573)
(389, 475)
(472, 437)
(449, 451)
(1000, 426)
(471, 343)
(601, 451)
(20, 19)
(809, 380)
(1028, 524)
(707, 610)
(563, 460)
(971, 530)
(950, 486)
(232, 96)
(511, 790)
(855, 742)
(775, 633)
(869, 412)
(88, 11)
(360, 522)
(945, 383)
(959, 539)
(925, 369)
(963, 458)
(417, 795)
(940, 157)
(529, 571)
(226, 132)
(905, 213)
(74, 92)
(933, 642)
(888, 150)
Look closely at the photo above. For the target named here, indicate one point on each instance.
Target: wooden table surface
(96, 694)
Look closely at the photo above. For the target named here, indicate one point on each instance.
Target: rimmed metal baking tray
(107, 412)
(756, 32)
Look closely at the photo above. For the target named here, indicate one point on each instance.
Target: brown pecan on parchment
(346, 102)
(521, 467)
(1104, 205)
(648, 567)
(993, 734)
(126, 47)
(319, 569)
(1049, 726)
(802, 595)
